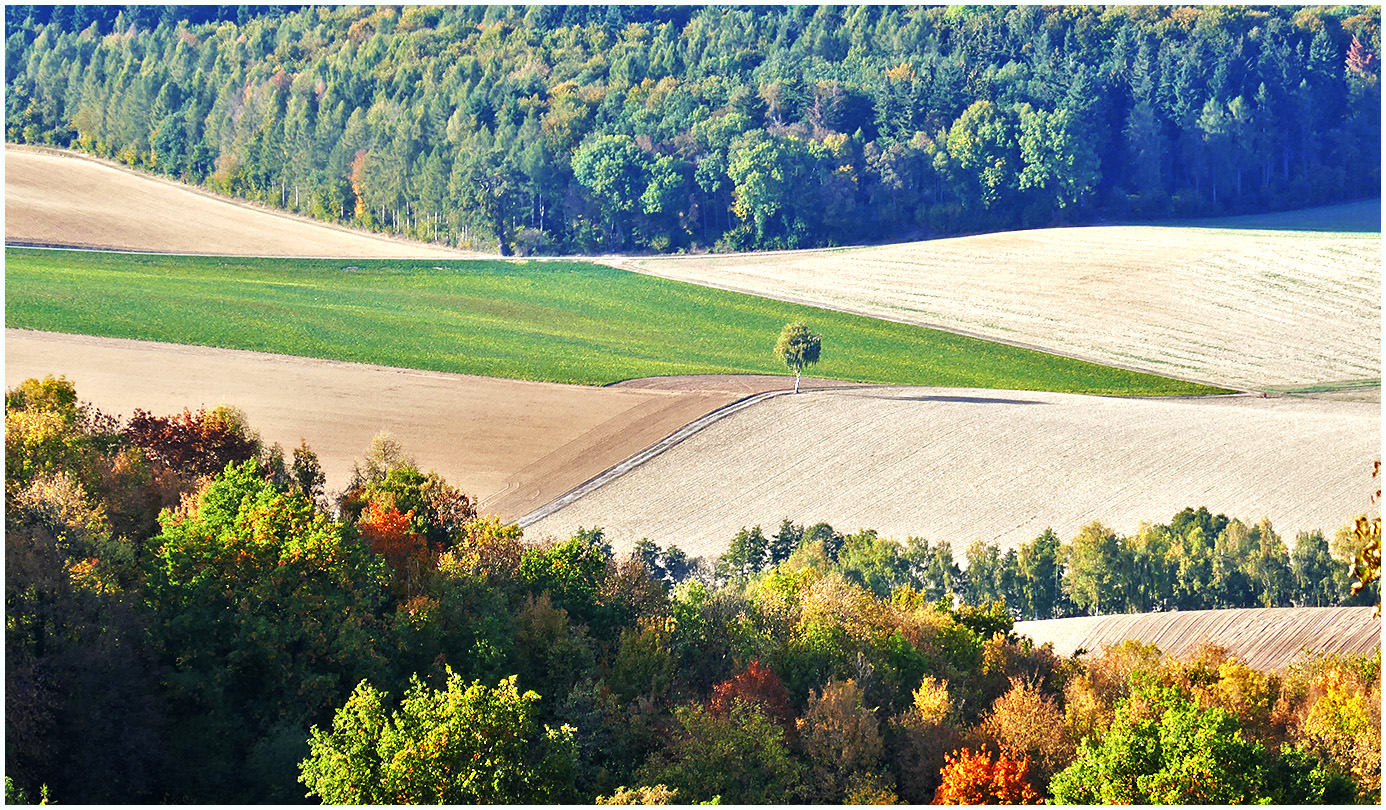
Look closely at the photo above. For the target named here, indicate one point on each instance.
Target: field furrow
(1261, 638)
(962, 465)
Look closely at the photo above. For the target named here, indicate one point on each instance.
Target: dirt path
(515, 444)
(63, 198)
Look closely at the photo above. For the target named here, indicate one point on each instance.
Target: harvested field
(962, 465)
(1238, 308)
(1261, 638)
(66, 199)
(516, 445)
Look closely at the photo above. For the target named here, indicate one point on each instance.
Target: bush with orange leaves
(974, 777)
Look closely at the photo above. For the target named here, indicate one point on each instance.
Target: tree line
(581, 129)
(191, 617)
(1197, 561)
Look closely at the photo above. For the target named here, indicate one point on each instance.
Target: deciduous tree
(463, 744)
(798, 348)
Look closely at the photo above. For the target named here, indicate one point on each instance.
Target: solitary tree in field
(798, 347)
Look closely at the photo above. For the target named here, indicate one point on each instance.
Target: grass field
(550, 321)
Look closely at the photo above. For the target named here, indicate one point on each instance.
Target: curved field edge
(552, 321)
(1249, 305)
(513, 444)
(1261, 638)
(962, 465)
(59, 197)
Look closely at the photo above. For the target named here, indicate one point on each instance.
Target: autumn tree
(1027, 724)
(758, 685)
(463, 744)
(798, 348)
(842, 739)
(974, 777)
(199, 444)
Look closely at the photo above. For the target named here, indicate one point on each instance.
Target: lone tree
(798, 347)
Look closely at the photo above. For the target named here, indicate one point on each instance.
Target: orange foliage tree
(973, 777)
(390, 535)
(758, 685)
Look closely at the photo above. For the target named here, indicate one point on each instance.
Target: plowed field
(60, 198)
(1239, 308)
(1261, 638)
(962, 465)
(516, 445)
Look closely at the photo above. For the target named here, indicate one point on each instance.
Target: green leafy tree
(458, 745)
(798, 348)
(739, 756)
(1093, 570)
(616, 174)
(265, 613)
(746, 556)
(1162, 748)
(1040, 575)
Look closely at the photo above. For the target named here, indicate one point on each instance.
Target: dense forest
(192, 618)
(582, 129)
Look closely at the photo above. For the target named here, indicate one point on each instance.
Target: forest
(591, 129)
(192, 618)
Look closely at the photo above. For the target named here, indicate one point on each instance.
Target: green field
(555, 321)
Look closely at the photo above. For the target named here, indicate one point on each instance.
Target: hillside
(572, 129)
(961, 465)
(1233, 306)
(67, 199)
(1261, 638)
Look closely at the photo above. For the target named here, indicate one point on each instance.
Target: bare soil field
(962, 465)
(66, 199)
(1244, 309)
(514, 444)
(1261, 638)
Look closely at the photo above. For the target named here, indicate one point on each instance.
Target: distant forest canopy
(578, 129)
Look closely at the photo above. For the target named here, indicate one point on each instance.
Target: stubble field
(1246, 307)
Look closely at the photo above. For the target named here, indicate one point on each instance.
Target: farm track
(1261, 638)
(514, 444)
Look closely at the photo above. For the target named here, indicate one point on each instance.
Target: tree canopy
(574, 129)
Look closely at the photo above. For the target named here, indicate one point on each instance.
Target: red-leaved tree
(757, 685)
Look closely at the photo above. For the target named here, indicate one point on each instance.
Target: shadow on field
(972, 400)
(1363, 216)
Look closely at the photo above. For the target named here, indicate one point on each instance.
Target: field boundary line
(633, 265)
(656, 449)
